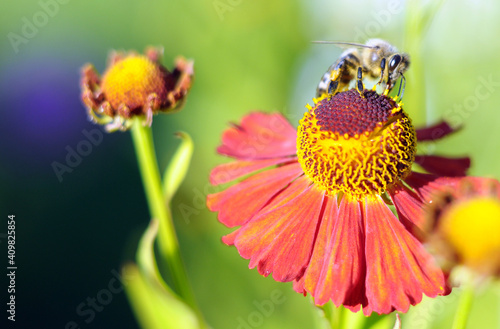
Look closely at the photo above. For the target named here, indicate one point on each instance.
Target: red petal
(229, 239)
(298, 286)
(409, 207)
(240, 202)
(483, 186)
(426, 184)
(443, 166)
(260, 136)
(337, 268)
(230, 171)
(434, 132)
(281, 239)
(399, 269)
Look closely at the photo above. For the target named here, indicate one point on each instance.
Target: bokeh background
(73, 235)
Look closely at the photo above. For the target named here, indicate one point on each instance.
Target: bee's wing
(342, 44)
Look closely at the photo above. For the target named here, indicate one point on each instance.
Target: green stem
(418, 20)
(354, 320)
(167, 239)
(464, 307)
(334, 315)
(342, 318)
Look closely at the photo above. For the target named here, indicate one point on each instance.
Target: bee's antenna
(341, 43)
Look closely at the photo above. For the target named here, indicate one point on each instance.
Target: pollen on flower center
(131, 80)
(356, 145)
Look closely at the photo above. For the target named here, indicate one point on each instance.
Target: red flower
(319, 215)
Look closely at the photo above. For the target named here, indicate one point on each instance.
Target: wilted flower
(134, 85)
(319, 213)
(464, 222)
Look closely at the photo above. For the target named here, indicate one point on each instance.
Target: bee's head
(397, 65)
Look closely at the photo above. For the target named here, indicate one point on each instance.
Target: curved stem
(418, 20)
(167, 238)
(464, 307)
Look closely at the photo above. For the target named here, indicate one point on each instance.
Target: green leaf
(145, 254)
(177, 169)
(154, 306)
(153, 302)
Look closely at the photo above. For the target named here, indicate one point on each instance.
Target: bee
(375, 59)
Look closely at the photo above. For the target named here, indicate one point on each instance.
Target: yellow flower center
(472, 227)
(356, 145)
(131, 80)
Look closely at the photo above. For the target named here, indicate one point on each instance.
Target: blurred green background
(73, 235)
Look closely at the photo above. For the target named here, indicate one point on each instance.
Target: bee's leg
(382, 70)
(333, 86)
(343, 73)
(388, 87)
(359, 83)
(402, 83)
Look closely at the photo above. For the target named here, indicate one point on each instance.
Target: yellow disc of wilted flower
(314, 206)
(473, 228)
(132, 80)
(134, 85)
